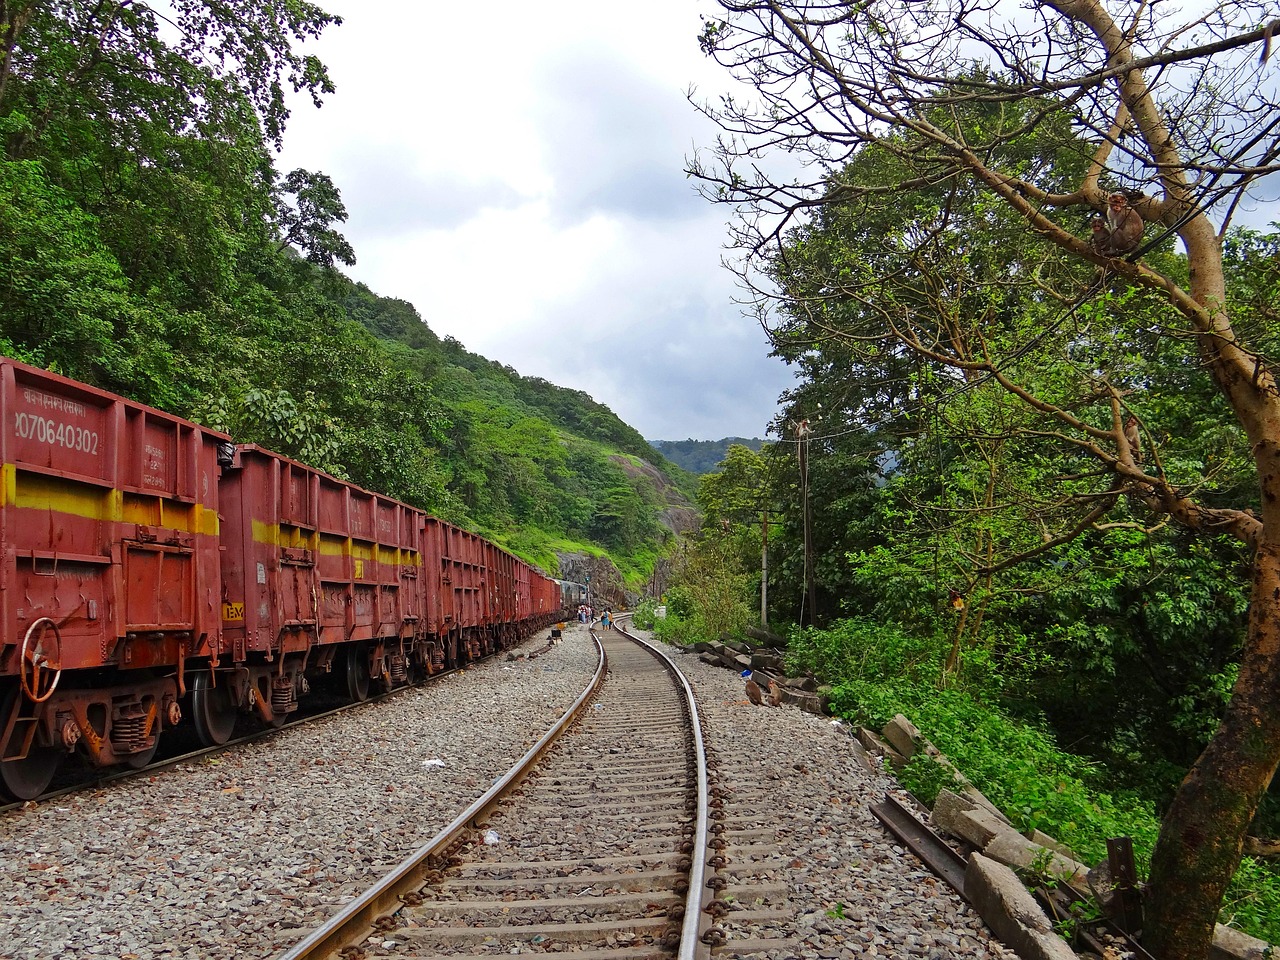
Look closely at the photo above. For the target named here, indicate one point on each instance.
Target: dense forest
(151, 248)
(702, 456)
(1027, 490)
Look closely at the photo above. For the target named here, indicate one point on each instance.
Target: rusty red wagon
(151, 568)
(319, 576)
(109, 573)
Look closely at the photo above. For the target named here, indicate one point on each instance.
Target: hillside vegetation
(702, 456)
(151, 248)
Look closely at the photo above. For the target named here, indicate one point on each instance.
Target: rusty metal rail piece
(923, 842)
(355, 921)
(1060, 900)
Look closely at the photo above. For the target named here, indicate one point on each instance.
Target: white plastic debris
(491, 838)
(433, 762)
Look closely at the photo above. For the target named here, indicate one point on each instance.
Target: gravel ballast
(242, 855)
(853, 891)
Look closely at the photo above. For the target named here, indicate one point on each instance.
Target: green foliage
(678, 630)
(1015, 764)
(860, 650)
(149, 248)
(108, 77)
(1008, 398)
(305, 222)
(1080, 915)
(643, 616)
(702, 456)
(925, 778)
(273, 419)
(1252, 902)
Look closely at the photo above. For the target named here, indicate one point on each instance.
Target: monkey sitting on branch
(1120, 231)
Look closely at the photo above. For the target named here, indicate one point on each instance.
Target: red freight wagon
(460, 562)
(461, 588)
(315, 571)
(543, 596)
(432, 580)
(524, 602)
(108, 573)
(143, 556)
(499, 584)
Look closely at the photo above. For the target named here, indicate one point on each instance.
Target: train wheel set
(154, 572)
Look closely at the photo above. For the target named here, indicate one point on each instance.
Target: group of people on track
(586, 615)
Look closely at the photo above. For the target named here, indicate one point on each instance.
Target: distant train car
(572, 595)
(151, 568)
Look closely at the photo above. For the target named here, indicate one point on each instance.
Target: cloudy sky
(514, 170)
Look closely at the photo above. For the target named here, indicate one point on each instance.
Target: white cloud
(517, 176)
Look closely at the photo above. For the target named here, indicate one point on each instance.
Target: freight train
(155, 571)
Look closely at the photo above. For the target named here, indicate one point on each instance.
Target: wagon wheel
(27, 778)
(136, 761)
(40, 667)
(358, 672)
(213, 709)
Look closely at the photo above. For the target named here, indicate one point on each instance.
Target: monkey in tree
(1132, 439)
(1100, 236)
(1121, 231)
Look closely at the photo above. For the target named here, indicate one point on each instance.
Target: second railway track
(601, 851)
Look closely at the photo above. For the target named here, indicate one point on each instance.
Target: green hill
(702, 456)
(151, 248)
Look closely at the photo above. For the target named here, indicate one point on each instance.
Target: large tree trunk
(1202, 835)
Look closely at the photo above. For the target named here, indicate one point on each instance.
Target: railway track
(182, 747)
(602, 849)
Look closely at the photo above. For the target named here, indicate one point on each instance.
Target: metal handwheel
(41, 654)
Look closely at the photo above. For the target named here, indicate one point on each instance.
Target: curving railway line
(159, 577)
(249, 852)
(596, 841)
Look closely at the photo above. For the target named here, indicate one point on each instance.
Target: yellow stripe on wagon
(32, 491)
(335, 545)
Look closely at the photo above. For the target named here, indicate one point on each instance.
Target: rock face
(677, 513)
(607, 589)
(673, 511)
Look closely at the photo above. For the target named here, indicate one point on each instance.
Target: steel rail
(354, 922)
(932, 850)
(699, 894)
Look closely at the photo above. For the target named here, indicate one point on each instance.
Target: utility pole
(803, 430)
(764, 568)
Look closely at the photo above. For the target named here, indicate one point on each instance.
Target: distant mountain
(701, 456)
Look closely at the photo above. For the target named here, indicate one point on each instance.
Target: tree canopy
(152, 248)
(925, 250)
